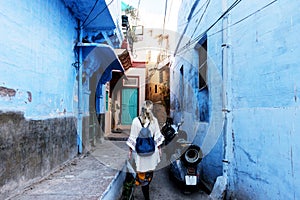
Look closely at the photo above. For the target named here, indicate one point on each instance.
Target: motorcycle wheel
(192, 156)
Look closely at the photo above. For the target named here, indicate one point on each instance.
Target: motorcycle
(184, 157)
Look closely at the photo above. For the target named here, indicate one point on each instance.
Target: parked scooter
(184, 157)
(171, 133)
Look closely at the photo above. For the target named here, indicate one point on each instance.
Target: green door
(129, 105)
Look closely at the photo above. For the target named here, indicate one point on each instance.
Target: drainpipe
(80, 96)
(228, 161)
(226, 107)
(222, 187)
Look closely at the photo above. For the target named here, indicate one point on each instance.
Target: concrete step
(121, 135)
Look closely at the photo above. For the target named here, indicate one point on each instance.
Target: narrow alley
(90, 176)
(222, 78)
(162, 188)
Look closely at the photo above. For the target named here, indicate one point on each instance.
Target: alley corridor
(89, 177)
(162, 188)
(223, 77)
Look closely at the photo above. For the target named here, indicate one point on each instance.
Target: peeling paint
(4, 91)
(26, 85)
(29, 96)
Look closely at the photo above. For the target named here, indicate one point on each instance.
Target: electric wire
(186, 26)
(98, 14)
(208, 2)
(170, 9)
(241, 20)
(210, 27)
(196, 39)
(165, 14)
(164, 24)
(89, 13)
(196, 13)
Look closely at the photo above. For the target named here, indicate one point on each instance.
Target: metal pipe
(80, 92)
(226, 109)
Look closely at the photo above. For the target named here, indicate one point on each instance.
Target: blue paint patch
(37, 56)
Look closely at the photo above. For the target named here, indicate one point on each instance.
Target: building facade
(45, 81)
(237, 68)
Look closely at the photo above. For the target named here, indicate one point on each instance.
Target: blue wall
(265, 100)
(37, 93)
(37, 39)
(205, 131)
(263, 94)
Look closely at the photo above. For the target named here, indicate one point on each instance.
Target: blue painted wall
(265, 100)
(37, 82)
(37, 39)
(263, 94)
(205, 131)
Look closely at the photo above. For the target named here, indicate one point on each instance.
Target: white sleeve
(134, 130)
(158, 137)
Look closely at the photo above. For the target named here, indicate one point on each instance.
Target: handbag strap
(143, 124)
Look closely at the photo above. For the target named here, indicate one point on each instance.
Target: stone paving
(85, 177)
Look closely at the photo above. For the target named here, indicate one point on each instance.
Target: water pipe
(80, 92)
(226, 108)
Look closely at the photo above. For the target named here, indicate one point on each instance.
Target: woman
(145, 165)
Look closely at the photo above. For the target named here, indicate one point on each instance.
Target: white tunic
(145, 163)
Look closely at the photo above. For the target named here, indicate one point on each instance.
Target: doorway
(129, 105)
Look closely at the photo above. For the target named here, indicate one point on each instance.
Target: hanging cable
(196, 13)
(241, 20)
(196, 39)
(164, 24)
(98, 14)
(170, 10)
(200, 19)
(89, 13)
(186, 26)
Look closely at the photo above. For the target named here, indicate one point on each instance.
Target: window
(203, 97)
(131, 82)
(202, 52)
(155, 89)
